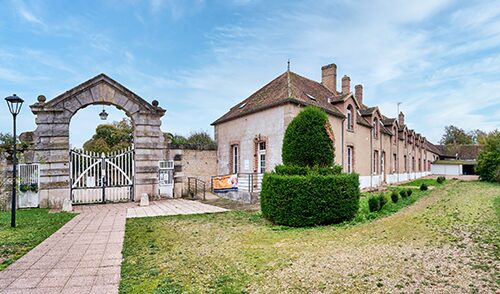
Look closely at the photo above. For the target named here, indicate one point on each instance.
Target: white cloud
(27, 14)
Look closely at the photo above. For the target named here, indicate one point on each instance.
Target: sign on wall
(223, 184)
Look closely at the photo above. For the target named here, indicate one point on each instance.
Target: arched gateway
(51, 137)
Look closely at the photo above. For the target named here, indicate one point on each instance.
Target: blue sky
(199, 58)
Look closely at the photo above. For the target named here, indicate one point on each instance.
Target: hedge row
(292, 170)
(307, 200)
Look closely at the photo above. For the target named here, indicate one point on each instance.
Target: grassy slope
(444, 243)
(418, 182)
(32, 227)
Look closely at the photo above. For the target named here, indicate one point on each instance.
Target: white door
(166, 181)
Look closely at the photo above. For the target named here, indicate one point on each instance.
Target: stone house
(379, 148)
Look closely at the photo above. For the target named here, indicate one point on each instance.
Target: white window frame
(350, 118)
(261, 156)
(350, 158)
(235, 153)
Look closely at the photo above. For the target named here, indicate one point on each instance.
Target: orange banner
(223, 184)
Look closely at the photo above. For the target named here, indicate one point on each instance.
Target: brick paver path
(84, 256)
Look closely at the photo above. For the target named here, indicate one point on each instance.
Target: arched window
(350, 118)
(395, 135)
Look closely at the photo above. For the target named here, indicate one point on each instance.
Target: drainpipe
(371, 158)
(382, 153)
(342, 141)
(397, 156)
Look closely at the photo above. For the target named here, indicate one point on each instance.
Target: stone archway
(51, 137)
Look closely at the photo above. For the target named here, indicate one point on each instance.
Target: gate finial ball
(155, 103)
(41, 99)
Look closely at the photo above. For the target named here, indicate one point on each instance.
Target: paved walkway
(84, 256)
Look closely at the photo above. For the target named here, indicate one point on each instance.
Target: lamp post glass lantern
(15, 103)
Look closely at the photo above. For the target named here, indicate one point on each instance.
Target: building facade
(379, 148)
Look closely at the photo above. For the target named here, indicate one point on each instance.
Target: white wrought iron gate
(29, 181)
(102, 178)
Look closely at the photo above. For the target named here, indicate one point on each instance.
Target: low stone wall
(5, 185)
(192, 161)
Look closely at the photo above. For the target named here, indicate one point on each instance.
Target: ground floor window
(406, 163)
(349, 159)
(234, 158)
(394, 160)
(375, 162)
(382, 162)
(261, 157)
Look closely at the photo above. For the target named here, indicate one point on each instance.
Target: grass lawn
(32, 227)
(444, 242)
(428, 182)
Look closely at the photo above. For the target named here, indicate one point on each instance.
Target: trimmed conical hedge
(306, 141)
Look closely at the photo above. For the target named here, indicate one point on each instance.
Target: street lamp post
(15, 103)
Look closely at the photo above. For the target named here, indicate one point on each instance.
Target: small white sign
(246, 164)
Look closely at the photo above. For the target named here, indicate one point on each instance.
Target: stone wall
(192, 161)
(5, 185)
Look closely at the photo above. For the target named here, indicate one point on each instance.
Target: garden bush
(306, 141)
(394, 194)
(409, 192)
(488, 160)
(298, 200)
(373, 204)
(381, 200)
(423, 187)
(395, 197)
(440, 179)
(403, 193)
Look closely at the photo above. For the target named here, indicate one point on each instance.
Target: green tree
(488, 160)
(306, 141)
(456, 136)
(111, 137)
(6, 141)
(200, 138)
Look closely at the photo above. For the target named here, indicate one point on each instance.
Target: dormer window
(350, 118)
(376, 128)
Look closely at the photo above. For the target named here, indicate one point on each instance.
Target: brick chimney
(401, 118)
(329, 77)
(358, 93)
(346, 84)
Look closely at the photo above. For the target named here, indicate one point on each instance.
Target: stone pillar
(149, 144)
(51, 152)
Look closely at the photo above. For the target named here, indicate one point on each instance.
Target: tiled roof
(303, 91)
(463, 151)
(388, 121)
(360, 120)
(367, 111)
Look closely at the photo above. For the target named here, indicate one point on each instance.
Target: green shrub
(24, 188)
(409, 192)
(403, 193)
(295, 200)
(306, 141)
(373, 204)
(488, 160)
(381, 200)
(394, 194)
(423, 187)
(34, 187)
(440, 179)
(395, 197)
